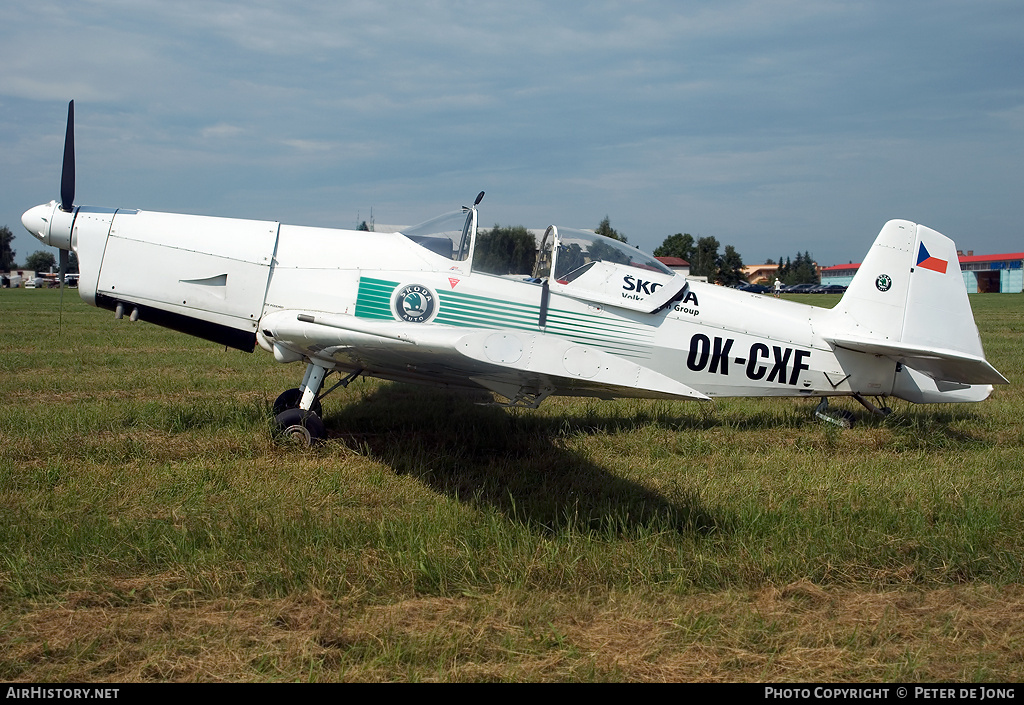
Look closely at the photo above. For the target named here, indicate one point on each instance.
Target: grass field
(151, 530)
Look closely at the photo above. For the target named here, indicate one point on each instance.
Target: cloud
(786, 124)
(221, 131)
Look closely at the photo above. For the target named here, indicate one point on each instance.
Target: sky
(775, 126)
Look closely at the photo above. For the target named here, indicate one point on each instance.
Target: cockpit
(573, 253)
(585, 265)
(577, 263)
(449, 235)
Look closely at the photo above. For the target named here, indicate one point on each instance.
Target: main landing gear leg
(297, 411)
(877, 411)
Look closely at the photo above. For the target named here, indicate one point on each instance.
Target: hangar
(983, 274)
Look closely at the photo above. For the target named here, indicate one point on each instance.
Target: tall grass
(434, 538)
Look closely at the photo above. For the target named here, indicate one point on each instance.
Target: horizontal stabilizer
(939, 364)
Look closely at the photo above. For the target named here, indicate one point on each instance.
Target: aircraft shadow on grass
(526, 466)
(529, 468)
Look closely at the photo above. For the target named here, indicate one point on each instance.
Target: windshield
(449, 235)
(578, 250)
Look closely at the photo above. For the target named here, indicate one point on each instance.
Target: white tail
(908, 302)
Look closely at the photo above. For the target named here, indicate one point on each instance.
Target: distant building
(760, 273)
(676, 264)
(839, 273)
(17, 277)
(765, 273)
(982, 274)
(1003, 274)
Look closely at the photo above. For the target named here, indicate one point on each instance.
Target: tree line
(38, 261)
(705, 261)
(799, 270)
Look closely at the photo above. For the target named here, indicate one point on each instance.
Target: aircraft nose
(37, 221)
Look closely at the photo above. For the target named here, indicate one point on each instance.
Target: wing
(523, 366)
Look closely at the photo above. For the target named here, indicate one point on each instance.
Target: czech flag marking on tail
(928, 262)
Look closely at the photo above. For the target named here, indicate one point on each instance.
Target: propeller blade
(67, 174)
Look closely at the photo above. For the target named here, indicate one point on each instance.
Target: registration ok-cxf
(594, 318)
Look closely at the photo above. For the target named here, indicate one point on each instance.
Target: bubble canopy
(576, 251)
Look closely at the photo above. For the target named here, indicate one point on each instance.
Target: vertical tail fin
(908, 302)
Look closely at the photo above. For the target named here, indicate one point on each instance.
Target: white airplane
(597, 318)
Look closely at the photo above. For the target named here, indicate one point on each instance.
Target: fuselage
(219, 278)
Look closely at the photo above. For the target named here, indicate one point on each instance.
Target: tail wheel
(290, 399)
(837, 417)
(844, 418)
(302, 427)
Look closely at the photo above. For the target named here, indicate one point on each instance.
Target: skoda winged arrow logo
(414, 303)
(883, 282)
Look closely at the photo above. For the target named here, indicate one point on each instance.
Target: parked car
(799, 288)
(755, 288)
(828, 289)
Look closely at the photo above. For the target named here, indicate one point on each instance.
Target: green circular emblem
(883, 282)
(414, 303)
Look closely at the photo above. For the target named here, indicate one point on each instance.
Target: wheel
(302, 427)
(290, 399)
(845, 418)
(838, 417)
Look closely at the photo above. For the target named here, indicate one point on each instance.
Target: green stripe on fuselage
(616, 336)
(374, 298)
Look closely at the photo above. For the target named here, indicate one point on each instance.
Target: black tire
(290, 399)
(845, 418)
(302, 427)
